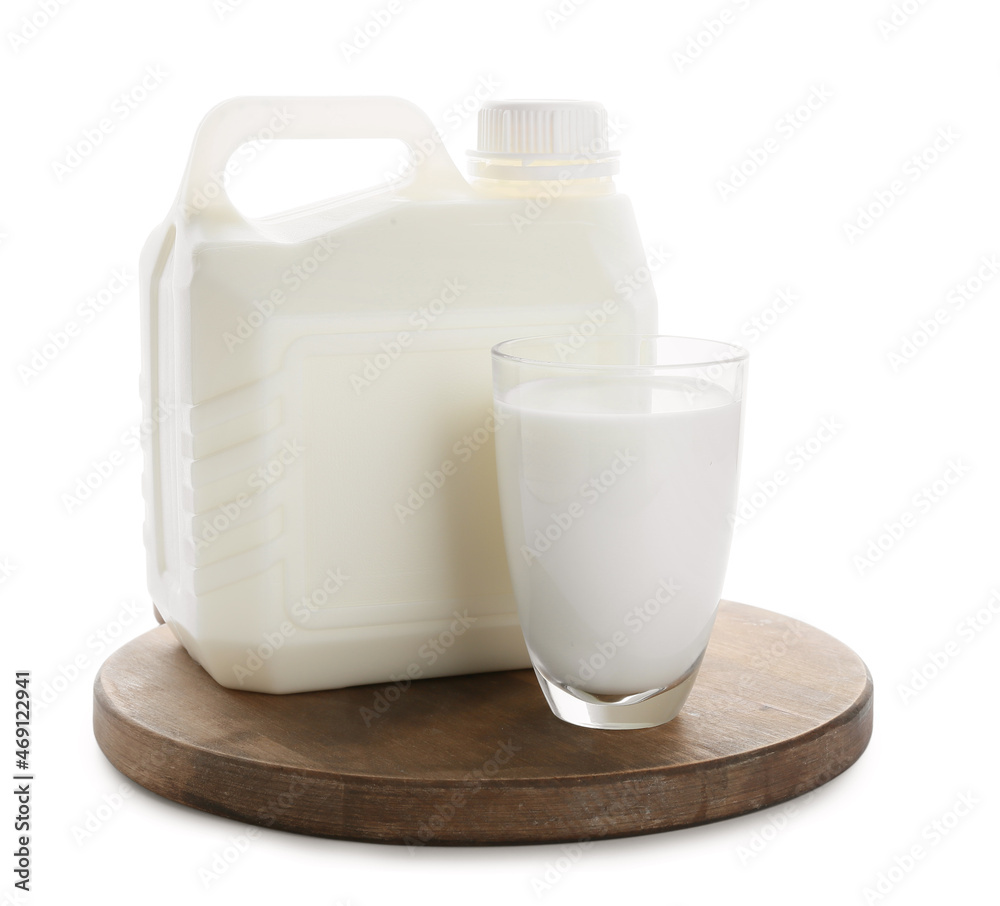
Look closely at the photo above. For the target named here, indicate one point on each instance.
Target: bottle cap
(543, 140)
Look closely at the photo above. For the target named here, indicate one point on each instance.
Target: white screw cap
(539, 139)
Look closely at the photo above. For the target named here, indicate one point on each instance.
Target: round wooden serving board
(778, 709)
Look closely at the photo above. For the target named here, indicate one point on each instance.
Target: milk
(321, 503)
(617, 495)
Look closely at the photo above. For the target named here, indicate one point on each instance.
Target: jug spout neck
(552, 188)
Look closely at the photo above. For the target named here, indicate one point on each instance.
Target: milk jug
(320, 487)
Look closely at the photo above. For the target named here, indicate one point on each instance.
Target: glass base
(617, 712)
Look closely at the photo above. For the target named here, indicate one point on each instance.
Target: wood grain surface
(778, 709)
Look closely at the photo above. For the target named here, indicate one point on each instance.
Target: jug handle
(241, 119)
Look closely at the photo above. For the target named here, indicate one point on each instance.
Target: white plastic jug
(321, 501)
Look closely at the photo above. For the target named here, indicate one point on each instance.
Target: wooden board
(778, 709)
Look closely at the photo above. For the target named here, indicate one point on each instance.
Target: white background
(69, 575)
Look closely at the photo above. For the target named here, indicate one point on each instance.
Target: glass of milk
(618, 466)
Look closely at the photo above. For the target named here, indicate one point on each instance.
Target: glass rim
(737, 354)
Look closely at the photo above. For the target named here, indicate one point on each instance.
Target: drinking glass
(618, 465)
